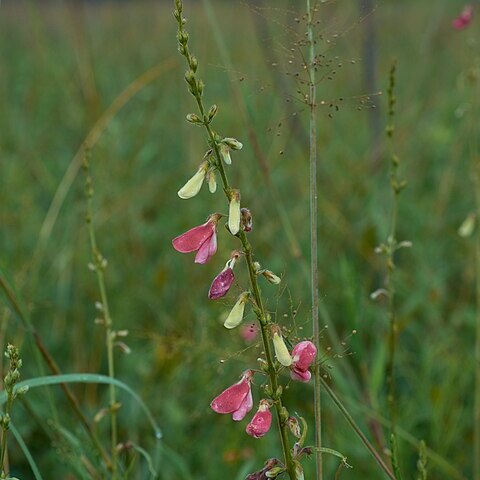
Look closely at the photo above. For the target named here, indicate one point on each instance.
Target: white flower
(235, 316)
(225, 153)
(193, 186)
(212, 181)
(281, 350)
(234, 212)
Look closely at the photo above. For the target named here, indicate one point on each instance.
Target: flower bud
(225, 153)
(271, 277)
(468, 226)
(234, 212)
(194, 118)
(212, 181)
(190, 77)
(233, 143)
(281, 350)
(212, 112)
(261, 421)
(294, 427)
(247, 220)
(235, 316)
(193, 186)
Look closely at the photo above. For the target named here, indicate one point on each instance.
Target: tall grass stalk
(389, 249)
(474, 158)
(99, 264)
(314, 236)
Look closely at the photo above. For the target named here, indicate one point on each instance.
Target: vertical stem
(100, 264)
(474, 158)
(314, 239)
(390, 251)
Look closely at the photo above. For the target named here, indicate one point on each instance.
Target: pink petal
(232, 398)
(221, 284)
(260, 423)
(245, 407)
(304, 354)
(207, 250)
(300, 375)
(249, 332)
(194, 238)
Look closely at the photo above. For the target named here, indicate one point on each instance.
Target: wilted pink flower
(201, 239)
(236, 399)
(464, 19)
(261, 421)
(223, 281)
(303, 355)
(249, 332)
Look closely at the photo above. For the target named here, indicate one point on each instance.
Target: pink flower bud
(464, 19)
(261, 421)
(236, 399)
(303, 355)
(223, 281)
(202, 239)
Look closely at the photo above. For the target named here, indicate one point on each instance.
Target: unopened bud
(194, 118)
(271, 277)
(233, 143)
(234, 212)
(212, 112)
(247, 220)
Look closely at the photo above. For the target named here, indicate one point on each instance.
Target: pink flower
(260, 423)
(249, 332)
(201, 239)
(223, 281)
(303, 355)
(464, 19)
(236, 399)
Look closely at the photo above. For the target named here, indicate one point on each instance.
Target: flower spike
(193, 186)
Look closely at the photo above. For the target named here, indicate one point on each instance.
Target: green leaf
(26, 452)
(86, 378)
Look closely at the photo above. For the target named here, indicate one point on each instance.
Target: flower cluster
(237, 399)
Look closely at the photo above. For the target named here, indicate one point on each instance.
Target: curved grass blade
(26, 452)
(87, 378)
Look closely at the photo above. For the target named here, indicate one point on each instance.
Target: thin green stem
(8, 409)
(357, 429)
(314, 238)
(196, 89)
(99, 265)
(474, 158)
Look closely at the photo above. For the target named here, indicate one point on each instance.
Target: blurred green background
(64, 66)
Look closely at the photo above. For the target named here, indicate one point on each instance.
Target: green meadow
(109, 74)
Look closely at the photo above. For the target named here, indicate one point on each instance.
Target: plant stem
(262, 315)
(357, 430)
(314, 239)
(390, 251)
(99, 264)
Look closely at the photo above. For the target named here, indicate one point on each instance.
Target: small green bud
(193, 63)
(212, 112)
(200, 87)
(194, 118)
(190, 78)
(22, 390)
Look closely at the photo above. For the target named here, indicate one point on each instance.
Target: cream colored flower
(235, 316)
(234, 212)
(193, 186)
(281, 350)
